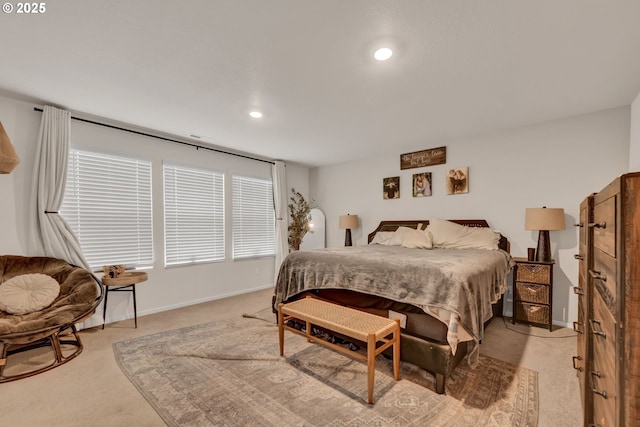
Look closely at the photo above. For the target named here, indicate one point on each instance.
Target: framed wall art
(391, 188)
(422, 184)
(458, 180)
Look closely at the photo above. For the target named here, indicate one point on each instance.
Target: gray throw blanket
(459, 283)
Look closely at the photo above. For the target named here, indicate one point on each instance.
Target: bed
(444, 290)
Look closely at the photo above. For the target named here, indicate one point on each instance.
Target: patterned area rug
(229, 373)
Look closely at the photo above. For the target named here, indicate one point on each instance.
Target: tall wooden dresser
(608, 360)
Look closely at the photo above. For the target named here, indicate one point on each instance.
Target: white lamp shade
(544, 219)
(349, 221)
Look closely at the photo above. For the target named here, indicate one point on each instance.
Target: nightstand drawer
(535, 313)
(532, 292)
(533, 273)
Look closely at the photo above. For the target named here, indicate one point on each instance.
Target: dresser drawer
(602, 324)
(604, 274)
(533, 273)
(534, 313)
(604, 229)
(581, 289)
(602, 327)
(532, 292)
(604, 413)
(602, 385)
(582, 274)
(601, 377)
(580, 326)
(580, 361)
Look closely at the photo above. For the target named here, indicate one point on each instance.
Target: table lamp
(348, 222)
(544, 219)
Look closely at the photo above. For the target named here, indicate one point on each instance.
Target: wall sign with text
(418, 159)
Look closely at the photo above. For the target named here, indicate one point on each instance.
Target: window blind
(253, 225)
(107, 204)
(193, 215)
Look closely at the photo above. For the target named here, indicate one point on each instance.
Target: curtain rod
(197, 147)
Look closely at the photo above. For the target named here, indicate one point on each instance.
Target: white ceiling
(459, 68)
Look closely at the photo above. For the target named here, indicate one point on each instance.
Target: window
(107, 203)
(253, 217)
(193, 215)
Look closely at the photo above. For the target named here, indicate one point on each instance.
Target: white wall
(22, 125)
(634, 146)
(167, 287)
(553, 164)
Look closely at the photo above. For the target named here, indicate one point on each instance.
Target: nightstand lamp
(544, 220)
(348, 222)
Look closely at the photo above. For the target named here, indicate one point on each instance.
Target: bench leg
(396, 351)
(281, 329)
(371, 366)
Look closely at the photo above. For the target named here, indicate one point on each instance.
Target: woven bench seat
(349, 322)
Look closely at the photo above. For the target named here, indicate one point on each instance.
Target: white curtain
(52, 154)
(53, 234)
(280, 199)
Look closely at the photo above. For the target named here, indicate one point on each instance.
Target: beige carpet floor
(92, 390)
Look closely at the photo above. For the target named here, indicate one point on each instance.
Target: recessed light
(383, 54)
(256, 114)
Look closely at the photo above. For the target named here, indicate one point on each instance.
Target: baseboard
(141, 313)
(563, 324)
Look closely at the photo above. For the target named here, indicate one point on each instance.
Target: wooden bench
(349, 322)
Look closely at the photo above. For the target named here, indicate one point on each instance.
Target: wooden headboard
(393, 226)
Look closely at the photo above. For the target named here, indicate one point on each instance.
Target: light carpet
(228, 373)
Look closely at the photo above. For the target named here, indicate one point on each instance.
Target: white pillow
(28, 293)
(411, 238)
(419, 239)
(447, 234)
(382, 238)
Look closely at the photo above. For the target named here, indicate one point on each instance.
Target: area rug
(229, 373)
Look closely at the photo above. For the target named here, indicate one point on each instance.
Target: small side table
(126, 282)
(533, 292)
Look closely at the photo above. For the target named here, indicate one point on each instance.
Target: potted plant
(299, 214)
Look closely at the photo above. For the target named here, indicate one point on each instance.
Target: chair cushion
(28, 293)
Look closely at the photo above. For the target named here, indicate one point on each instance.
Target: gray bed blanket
(457, 286)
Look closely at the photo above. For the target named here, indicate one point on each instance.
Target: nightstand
(532, 292)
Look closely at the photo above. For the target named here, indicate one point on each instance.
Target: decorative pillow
(28, 293)
(382, 238)
(420, 239)
(410, 238)
(447, 234)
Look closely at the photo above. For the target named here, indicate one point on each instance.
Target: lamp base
(543, 252)
(347, 237)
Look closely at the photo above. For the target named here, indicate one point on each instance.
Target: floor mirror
(315, 237)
